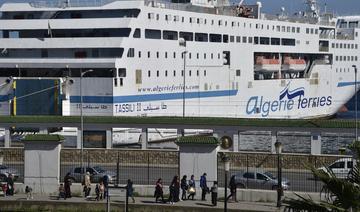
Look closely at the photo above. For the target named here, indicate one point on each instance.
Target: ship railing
(70, 3)
(297, 19)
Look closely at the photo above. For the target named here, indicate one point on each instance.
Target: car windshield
(270, 175)
(99, 169)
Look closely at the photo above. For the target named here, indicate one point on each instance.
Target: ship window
(131, 52)
(337, 45)
(212, 22)
(152, 34)
(189, 73)
(115, 82)
(356, 58)
(356, 46)
(204, 55)
(174, 73)
(174, 54)
(138, 76)
(293, 29)
(198, 20)
(298, 29)
(264, 40)
(226, 38)
(352, 58)
(312, 31)
(95, 53)
(316, 31)
(349, 46)
(278, 28)
(333, 45)
(157, 54)
(167, 17)
(197, 73)
(139, 54)
(212, 55)
(215, 38)
(205, 73)
(137, 33)
(244, 39)
(149, 73)
(341, 45)
(182, 73)
(166, 55)
(197, 55)
(182, 19)
(283, 28)
(275, 41)
(288, 29)
(337, 58)
(238, 72)
(232, 39)
(233, 23)
(189, 55)
(44, 53)
(122, 72)
(238, 39)
(220, 22)
(176, 18)
(166, 73)
(250, 40)
(148, 54)
(352, 46)
(188, 36)
(256, 40)
(170, 35)
(201, 37)
(288, 42)
(218, 55)
(150, 15)
(157, 16)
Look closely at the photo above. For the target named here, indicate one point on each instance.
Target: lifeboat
(293, 65)
(263, 64)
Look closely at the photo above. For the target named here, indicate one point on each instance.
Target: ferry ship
(192, 58)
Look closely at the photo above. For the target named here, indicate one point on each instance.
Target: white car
(340, 167)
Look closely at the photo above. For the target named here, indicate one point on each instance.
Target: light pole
(182, 42)
(226, 161)
(278, 147)
(82, 119)
(356, 109)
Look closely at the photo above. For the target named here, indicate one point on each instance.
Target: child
(99, 190)
(62, 191)
(214, 193)
(28, 191)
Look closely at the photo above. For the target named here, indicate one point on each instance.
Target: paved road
(148, 202)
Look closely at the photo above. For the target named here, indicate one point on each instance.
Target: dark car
(6, 171)
(96, 174)
(259, 180)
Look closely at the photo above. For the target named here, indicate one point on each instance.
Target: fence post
(316, 185)
(118, 169)
(247, 168)
(148, 169)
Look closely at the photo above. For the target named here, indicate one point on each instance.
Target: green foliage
(340, 194)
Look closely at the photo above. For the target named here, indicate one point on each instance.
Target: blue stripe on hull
(344, 84)
(151, 97)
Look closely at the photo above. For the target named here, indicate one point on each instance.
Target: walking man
(203, 186)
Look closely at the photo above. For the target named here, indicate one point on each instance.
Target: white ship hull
(152, 84)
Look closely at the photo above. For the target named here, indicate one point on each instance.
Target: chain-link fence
(260, 170)
(142, 167)
(12, 162)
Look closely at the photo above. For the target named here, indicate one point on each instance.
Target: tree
(340, 194)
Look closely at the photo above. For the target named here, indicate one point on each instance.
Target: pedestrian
(67, 182)
(232, 186)
(87, 185)
(10, 185)
(159, 191)
(203, 186)
(192, 187)
(99, 190)
(62, 191)
(184, 187)
(106, 185)
(173, 190)
(28, 191)
(177, 189)
(214, 193)
(130, 190)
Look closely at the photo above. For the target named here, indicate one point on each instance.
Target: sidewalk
(14, 202)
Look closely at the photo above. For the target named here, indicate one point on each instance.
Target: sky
(339, 7)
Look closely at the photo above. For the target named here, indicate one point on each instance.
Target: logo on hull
(288, 100)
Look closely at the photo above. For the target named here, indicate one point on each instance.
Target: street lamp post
(82, 119)
(226, 160)
(182, 42)
(278, 147)
(356, 109)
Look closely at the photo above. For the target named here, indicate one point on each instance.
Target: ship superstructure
(194, 58)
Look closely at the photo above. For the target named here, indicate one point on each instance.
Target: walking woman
(192, 190)
(159, 190)
(184, 187)
(67, 184)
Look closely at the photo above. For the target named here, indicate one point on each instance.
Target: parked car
(5, 171)
(96, 174)
(340, 167)
(259, 180)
